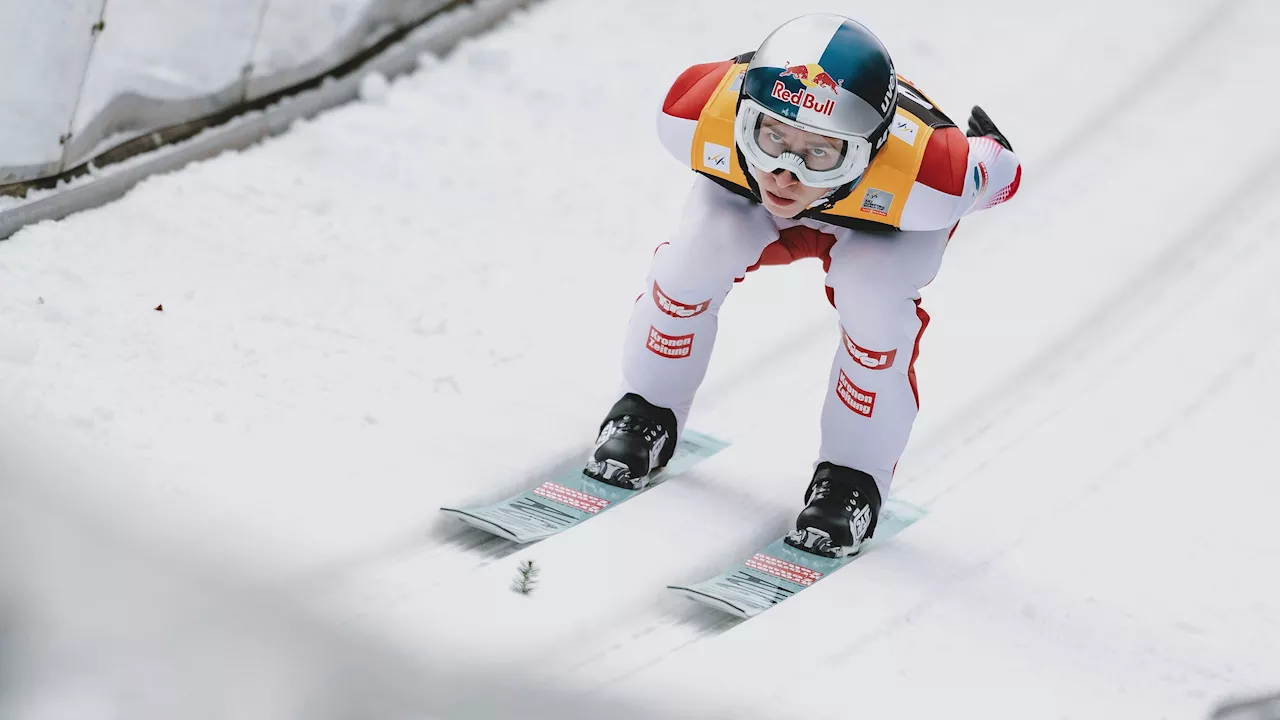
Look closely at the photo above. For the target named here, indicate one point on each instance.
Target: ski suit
(880, 243)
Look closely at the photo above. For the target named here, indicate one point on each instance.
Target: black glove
(980, 125)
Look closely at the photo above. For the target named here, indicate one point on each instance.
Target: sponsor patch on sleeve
(860, 401)
(981, 178)
(870, 359)
(675, 308)
(669, 346)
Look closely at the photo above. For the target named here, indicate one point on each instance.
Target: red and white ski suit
(873, 279)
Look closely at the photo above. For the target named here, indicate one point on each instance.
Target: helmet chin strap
(836, 194)
(822, 201)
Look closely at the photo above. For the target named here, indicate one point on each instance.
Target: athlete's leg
(673, 325)
(875, 282)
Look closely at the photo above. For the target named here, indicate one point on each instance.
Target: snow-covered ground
(414, 301)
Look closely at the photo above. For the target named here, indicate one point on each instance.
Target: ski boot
(843, 505)
(635, 440)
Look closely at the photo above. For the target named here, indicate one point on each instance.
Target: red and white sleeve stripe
(958, 176)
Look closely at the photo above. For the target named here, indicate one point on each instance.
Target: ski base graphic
(568, 500)
(778, 571)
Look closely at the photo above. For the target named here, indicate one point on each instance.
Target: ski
(778, 571)
(561, 503)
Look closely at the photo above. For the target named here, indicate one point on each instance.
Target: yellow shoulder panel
(883, 191)
(713, 147)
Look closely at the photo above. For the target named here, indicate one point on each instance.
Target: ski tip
(710, 601)
(482, 524)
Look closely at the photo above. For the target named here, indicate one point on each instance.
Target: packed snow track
(418, 300)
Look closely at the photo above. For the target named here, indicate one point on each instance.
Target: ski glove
(980, 125)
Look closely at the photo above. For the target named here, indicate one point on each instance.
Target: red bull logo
(803, 99)
(824, 80)
(811, 76)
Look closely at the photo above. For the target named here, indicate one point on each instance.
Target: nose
(785, 178)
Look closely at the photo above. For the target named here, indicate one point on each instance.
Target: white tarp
(159, 63)
(305, 38)
(162, 62)
(296, 33)
(44, 47)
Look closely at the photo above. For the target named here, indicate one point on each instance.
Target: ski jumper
(879, 243)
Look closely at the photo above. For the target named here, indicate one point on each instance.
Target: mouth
(779, 200)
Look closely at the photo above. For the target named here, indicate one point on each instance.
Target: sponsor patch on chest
(905, 130)
(716, 157)
(877, 202)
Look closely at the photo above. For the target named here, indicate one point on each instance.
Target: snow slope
(402, 305)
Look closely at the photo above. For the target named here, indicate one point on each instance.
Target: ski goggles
(771, 143)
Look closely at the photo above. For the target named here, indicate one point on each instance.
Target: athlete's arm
(960, 175)
(690, 93)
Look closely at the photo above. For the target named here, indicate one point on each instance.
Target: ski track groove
(1110, 475)
(1187, 289)
(1059, 361)
(954, 434)
(1175, 55)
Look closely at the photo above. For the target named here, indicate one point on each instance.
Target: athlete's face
(782, 193)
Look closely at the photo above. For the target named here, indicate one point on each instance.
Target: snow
(412, 301)
(374, 87)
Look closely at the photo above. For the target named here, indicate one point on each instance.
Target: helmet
(823, 74)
